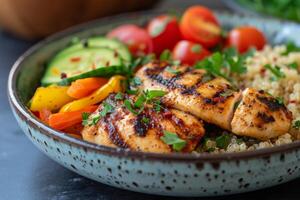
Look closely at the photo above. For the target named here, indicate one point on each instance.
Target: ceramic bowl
(161, 174)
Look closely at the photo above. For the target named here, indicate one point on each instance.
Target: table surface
(27, 174)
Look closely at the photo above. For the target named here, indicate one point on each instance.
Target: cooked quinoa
(286, 88)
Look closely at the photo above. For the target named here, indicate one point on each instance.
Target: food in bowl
(174, 86)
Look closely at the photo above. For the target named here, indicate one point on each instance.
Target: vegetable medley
(76, 89)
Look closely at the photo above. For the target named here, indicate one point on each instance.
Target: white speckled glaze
(173, 174)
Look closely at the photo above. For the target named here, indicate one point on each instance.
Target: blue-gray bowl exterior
(161, 174)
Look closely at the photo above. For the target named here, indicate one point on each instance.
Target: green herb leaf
(151, 94)
(223, 141)
(291, 47)
(136, 81)
(145, 120)
(129, 107)
(132, 91)
(165, 55)
(296, 124)
(119, 96)
(172, 139)
(85, 118)
(107, 108)
(140, 101)
(172, 71)
(293, 65)
(278, 74)
(280, 100)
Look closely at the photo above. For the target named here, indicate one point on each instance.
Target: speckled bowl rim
(25, 114)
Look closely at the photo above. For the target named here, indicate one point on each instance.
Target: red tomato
(165, 33)
(189, 52)
(199, 24)
(245, 37)
(137, 39)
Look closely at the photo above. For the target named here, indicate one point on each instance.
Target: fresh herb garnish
(296, 124)
(172, 139)
(278, 74)
(293, 65)
(119, 96)
(172, 71)
(136, 81)
(132, 91)
(107, 108)
(165, 55)
(225, 63)
(223, 141)
(151, 94)
(291, 47)
(140, 101)
(145, 120)
(128, 105)
(239, 141)
(85, 118)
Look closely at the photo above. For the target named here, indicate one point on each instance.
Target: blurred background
(34, 19)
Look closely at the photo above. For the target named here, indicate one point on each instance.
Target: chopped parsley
(151, 94)
(119, 96)
(280, 100)
(172, 139)
(223, 141)
(140, 101)
(223, 64)
(85, 119)
(165, 55)
(290, 47)
(293, 65)
(296, 124)
(145, 120)
(278, 74)
(136, 81)
(128, 105)
(107, 108)
(172, 71)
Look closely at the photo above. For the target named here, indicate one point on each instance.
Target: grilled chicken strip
(192, 90)
(142, 132)
(261, 116)
(214, 100)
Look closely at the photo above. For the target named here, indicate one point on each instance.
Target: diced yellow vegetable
(113, 85)
(51, 98)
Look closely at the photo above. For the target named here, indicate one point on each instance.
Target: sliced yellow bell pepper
(51, 98)
(113, 85)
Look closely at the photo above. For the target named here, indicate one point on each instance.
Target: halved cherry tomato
(245, 37)
(165, 33)
(199, 24)
(137, 39)
(189, 52)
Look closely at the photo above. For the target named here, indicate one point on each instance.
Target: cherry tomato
(165, 33)
(137, 39)
(199, 24)
(245, 37)
(189, 52)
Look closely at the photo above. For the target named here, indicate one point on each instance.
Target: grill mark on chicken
(272, 104)
(113, 133)
(265, 118)
(141, 127)
(124, 129)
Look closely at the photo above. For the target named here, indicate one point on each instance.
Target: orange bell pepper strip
(44, 115)
(83, 87)
(114, 85)
(61, 121)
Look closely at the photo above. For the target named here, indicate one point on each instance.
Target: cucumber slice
(93, 42)
(79, 61)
